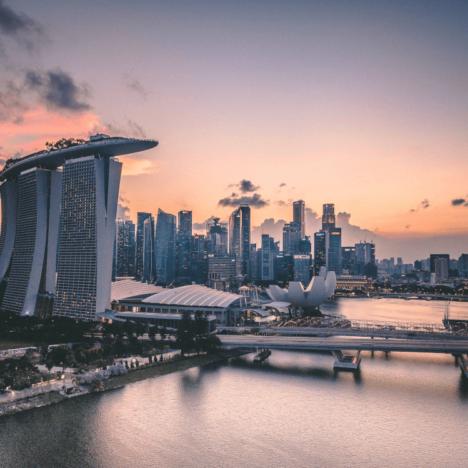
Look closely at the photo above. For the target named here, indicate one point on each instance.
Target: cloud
(123, 212)
(408, 226)
(57, 90)
(282, 185)
(129, 129)
(424, 204)
(26, 32)
(284, 203)
(136, 86)
(343, 217)
(245, 186)
(268, 226)
(12, 106)
(255, 201)
(134, 167)
(459, 201)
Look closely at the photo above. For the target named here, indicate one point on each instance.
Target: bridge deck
(340, 344)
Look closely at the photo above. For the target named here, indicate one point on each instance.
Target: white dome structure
(319, 290)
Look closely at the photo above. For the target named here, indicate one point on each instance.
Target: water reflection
(291, 410)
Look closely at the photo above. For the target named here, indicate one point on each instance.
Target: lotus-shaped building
(319, 290)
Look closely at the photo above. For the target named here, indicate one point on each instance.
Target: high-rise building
(334, 250)
(269, 252)
(434, 257)
(217, 237)
(302, 269)
(124, 248)
(348, 255)
(284, 268)
(299, 216)
(149, 262)
(59, 244)
(305, 246)
(399, 261)
(365, 253)
(184, 245)
(165, 247)
(239, 238)
(463, 265)
(253, 262)
(320, 251)
(328, 217)
(291, 238)
(32, 258)
(221, 270)
(199, 259)
(141, 217)
(441, 268)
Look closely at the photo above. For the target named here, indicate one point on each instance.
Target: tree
(200, 328)
(185, 334)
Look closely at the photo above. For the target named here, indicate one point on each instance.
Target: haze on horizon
(361, 104)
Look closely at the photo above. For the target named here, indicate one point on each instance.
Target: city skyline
(352, 104)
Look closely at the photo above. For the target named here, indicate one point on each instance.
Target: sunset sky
(363, 104)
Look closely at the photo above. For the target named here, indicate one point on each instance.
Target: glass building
(239, 238)
(124, 248)
(165, 247)
(291, 238)
(334, 250)
(217, 237)
(184, 244)
(149, 263)
(141, 217)
(299, 216)
(320, 251)
(328, 217)
(284, 269)
(302, 269)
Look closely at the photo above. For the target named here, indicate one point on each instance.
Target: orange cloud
(133, 167)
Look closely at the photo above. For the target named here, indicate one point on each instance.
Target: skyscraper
(328, 217)
(199, 259)
(184, 239)
(217, 237)
(141, 217)
(365, 253)
(302, 269)
(165, 247)
(239, 238)
(348, 255)
(64, 229)
(299, 216)
(320, 251)
(269, 252)
(253, 262)
(291, 238)
(125, 248)
(149, 262)
(434, 257)
(334, 250)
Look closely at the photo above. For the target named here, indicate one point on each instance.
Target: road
(340, 343)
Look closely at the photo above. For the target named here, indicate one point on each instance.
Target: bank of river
(134, 375)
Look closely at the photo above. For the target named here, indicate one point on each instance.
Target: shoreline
(119, 381)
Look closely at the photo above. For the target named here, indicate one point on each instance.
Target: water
(292, 411)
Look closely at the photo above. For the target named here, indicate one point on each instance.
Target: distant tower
(239, 238)
(217, 237)
(320, 251)
(184, 239)
(165, 247)
(328, 218)
(141, 217)
(334, 259)
(291, 238)
(299, 216)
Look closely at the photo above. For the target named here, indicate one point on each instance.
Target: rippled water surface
(292, 411)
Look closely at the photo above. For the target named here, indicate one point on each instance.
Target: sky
(363, 104)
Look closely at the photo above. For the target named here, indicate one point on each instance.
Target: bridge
(337, 344)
